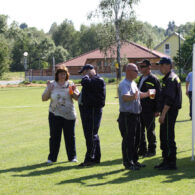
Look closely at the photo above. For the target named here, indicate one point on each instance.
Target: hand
(187, 93)
(74, 87)
(50, 86)
(136, 95)
(157, 114)
(161, 119)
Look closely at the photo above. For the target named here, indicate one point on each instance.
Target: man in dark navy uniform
(150, 109)
(91, 102)
(170, 101)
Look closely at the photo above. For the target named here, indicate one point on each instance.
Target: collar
(166, 76)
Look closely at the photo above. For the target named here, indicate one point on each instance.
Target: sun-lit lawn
(24, 138)
(9, 76)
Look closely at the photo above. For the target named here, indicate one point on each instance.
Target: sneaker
(49, 162)
(74, 160)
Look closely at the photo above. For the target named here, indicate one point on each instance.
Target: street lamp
(25, 60)
(25, 63)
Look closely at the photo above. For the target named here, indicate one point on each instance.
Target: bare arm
(47, 93)
(144, 95)
(187, 85)
(128, 98)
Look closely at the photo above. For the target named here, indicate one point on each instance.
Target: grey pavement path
(10, 82)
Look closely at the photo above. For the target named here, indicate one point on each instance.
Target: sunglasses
(135, 71)
(143, 66)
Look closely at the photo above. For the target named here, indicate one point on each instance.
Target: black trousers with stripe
(129, 126)
(91, 118)
(167, 137)
(148, 123)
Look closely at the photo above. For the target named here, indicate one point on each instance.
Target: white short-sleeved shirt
(61, 102)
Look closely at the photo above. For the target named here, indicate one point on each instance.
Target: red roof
(128, 50)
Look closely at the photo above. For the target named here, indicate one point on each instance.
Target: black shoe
(168, 167)
(150, 154)
(87, 164)
(142, 153)
(131, 166)
(139, 165)
(160, 165)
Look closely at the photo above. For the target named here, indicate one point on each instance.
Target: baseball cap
(86, 67)
(165, 60)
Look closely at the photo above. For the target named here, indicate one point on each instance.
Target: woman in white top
(62, 114)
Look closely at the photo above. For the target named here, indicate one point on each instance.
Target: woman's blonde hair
(62, 69)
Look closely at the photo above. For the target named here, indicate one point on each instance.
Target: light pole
(25, 63)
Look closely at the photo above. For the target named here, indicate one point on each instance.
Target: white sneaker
(49, 162)
(74, 160)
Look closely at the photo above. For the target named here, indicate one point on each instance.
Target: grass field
(8, 76)
(24, 138)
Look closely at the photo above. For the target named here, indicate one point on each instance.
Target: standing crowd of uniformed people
(139, 105)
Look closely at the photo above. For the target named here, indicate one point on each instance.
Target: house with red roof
(105, 62)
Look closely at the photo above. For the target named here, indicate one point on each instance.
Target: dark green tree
(185, 59)
(4, 56)
(66, 36)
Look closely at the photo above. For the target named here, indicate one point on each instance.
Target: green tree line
(64, 42)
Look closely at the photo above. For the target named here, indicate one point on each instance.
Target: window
(167, 49)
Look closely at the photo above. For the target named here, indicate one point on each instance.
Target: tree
(88, 38)
(171, 28)
(66, 36)
(3, 23)
(4, 56)
(114, 12)
(23, 26)
(186, 52)
(60, 55)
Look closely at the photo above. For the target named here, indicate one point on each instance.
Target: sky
(42, 13)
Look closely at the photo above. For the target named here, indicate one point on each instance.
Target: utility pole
(179, 55)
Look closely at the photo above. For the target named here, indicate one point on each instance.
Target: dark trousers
(129, 126)
(57, 124)
(91, 118)
(190, 98)
(167, 137)
(148, 123)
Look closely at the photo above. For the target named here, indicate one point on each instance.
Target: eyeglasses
(143, 66)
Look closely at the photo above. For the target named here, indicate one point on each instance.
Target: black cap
(86, 67)
(165, 60)
(146, 62)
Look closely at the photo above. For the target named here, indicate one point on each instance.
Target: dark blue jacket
(171, 94)
(93, 91)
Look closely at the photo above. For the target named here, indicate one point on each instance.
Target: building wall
(173, 41)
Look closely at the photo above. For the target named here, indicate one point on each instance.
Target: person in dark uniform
(91, 102)
(149, 109)
(170, 101)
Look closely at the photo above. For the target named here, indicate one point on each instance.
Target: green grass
(9, 76)
(24, 135)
